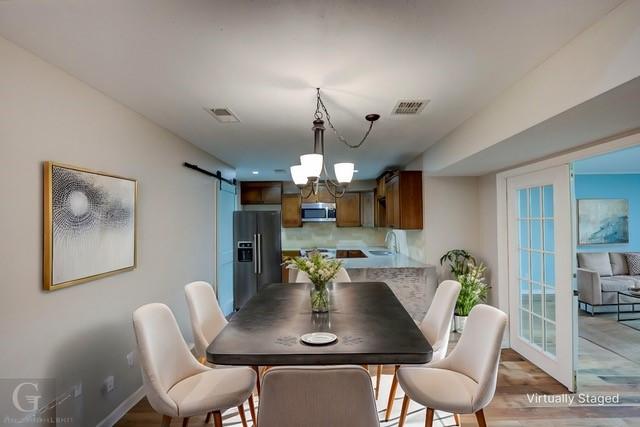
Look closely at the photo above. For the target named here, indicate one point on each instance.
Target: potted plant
(458, 261)
(473, 291)
(320, 271)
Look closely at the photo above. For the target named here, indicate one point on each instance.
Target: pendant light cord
(318, 115)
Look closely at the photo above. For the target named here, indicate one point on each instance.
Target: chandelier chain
(318, 115)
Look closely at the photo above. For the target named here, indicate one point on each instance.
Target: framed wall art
(603, 221)
(89, 225)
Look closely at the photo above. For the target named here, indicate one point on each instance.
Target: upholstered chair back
(164, 356)
(207, 319)
(436, 325)
(317, 396)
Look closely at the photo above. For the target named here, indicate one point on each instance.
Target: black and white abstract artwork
(92, 224)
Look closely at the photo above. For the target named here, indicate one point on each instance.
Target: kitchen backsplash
(328, 235)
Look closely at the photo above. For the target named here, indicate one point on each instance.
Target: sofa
(600, 276)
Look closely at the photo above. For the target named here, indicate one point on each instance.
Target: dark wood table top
(371, 324)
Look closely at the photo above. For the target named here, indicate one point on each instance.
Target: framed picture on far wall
(89, 225)
(603, 221)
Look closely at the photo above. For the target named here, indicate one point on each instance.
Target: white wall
(83, 333)
(602, 57)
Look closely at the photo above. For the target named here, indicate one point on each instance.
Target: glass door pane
(537, 267)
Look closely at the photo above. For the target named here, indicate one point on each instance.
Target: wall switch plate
(109, 384)
(77, 390)
(130, 359)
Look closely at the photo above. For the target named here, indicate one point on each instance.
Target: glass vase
(319, 298)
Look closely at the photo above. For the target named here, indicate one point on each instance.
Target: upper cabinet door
(403, 200)
(260, 192)
(291, 216)
(393, 201)
(348, 210)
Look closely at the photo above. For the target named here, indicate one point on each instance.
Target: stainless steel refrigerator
(258, 253)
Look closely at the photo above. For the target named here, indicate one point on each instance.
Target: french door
(541, 302)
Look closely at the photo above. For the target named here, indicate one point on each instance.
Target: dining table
(371, 325)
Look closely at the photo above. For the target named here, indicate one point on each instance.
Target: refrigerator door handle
(255, 254)
(259, 253)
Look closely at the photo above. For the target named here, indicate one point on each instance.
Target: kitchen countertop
(395, 260)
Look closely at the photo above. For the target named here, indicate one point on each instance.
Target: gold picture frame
(94, 181)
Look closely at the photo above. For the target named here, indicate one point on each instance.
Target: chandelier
(312, 169)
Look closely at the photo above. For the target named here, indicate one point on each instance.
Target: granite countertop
(395, 260)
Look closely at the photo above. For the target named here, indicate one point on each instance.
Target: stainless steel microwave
(318, 212)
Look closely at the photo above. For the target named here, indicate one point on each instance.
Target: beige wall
(451, 218)
(82, 334)
(488, 228)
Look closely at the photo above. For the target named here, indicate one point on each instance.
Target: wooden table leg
(456, 417)
(208, 418)
(166, 421)
(392, 393)
(185, 422)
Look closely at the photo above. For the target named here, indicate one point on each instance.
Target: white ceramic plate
(318, 338)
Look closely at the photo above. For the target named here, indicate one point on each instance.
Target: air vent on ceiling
(223, 115)
(410, 106)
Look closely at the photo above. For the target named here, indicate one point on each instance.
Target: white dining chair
(436, 328)
(176, 384)
(207, 319)
(317, 396)
(341, 277)
(465, 381)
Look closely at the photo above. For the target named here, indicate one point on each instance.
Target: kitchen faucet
(395, 241)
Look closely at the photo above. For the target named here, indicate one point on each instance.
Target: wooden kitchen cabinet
(260, 192)
(367, 203)
(291, 216)
(322, 196)
(379, 210)
(403, 200)
(348, 210)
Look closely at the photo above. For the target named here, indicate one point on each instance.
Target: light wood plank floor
(510, 407)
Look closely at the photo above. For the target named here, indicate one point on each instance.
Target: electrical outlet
(108, 384)
(130, 359)
(77, 390)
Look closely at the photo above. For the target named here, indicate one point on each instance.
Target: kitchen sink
(380, 252)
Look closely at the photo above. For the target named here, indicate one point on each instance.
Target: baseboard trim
(122, 408)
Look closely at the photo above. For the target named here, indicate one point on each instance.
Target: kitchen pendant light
(309, 173)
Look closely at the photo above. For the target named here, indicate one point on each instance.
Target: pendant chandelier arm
(318, 115)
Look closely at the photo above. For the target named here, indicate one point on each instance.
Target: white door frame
(617, 142)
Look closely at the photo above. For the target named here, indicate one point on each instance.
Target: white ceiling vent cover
(223, 115)
(410, 106)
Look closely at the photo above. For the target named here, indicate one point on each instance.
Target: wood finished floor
(600, 371)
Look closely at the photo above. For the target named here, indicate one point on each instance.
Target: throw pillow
(633, 260)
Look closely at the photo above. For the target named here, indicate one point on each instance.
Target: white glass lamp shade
(299, 175)
(311, 164)
(344, 172)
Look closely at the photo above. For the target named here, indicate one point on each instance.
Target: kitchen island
(414, 283)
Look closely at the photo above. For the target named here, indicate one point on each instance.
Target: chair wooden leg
(242, 416)
(217, 419)
(405, 408)
(428, 422)
(166, 420)
(480, 418)
(208, 418)
(185, 422)
(456, 417)
(392, 393)
(378, 376)
(252, 410)
(257, 369)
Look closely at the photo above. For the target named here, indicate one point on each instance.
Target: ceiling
(168, 59)
(614, 112)
(616, 162)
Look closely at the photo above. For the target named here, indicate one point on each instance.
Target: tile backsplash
(328, 235)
